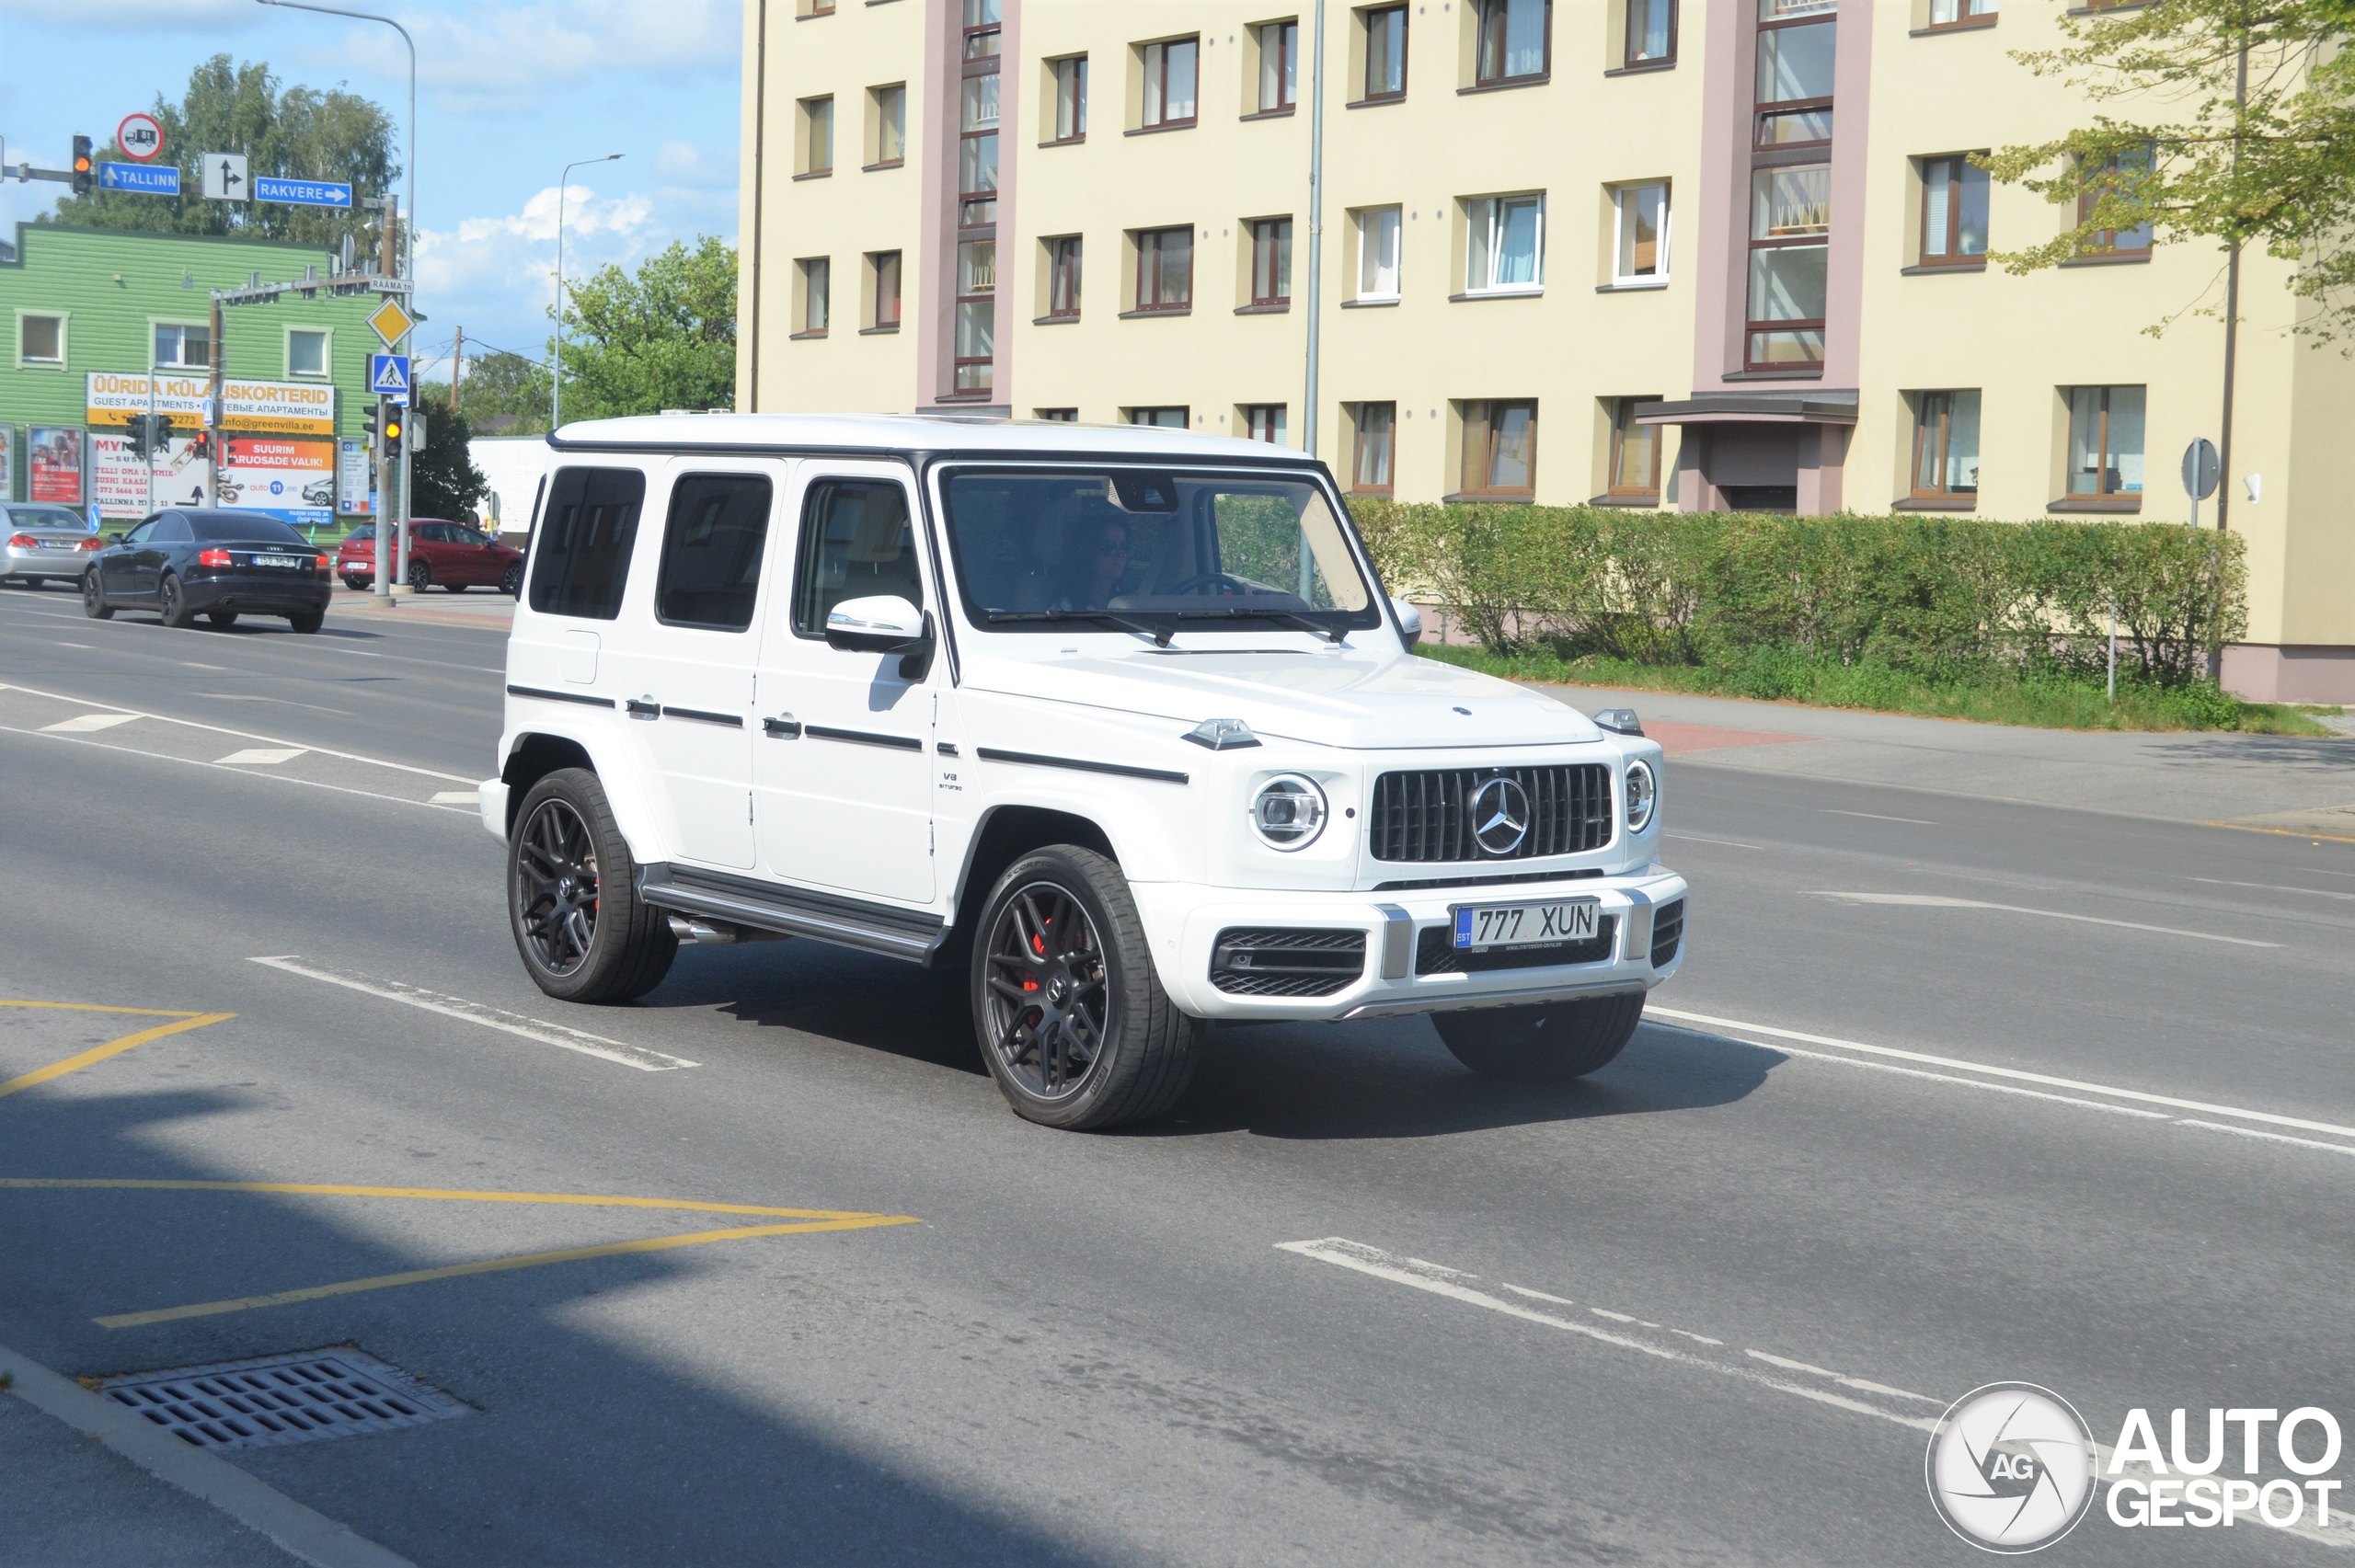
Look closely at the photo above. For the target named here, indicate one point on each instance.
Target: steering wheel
(1229, 586)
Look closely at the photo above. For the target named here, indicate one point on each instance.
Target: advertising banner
(359, 481)
(298, 407)
(288, 478)
(7, 463)
(53, 464)
(118, 483)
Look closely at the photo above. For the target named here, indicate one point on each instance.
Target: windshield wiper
(1289, 617)
(1160, 634)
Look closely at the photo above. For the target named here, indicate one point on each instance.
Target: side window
(581, 562)
(140, 534)
(171, 530)
(711, 551)
(857, 542)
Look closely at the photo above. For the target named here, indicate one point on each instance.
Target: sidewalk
(482, 607)
(2283, 783)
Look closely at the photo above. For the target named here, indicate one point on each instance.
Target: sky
(508, 92)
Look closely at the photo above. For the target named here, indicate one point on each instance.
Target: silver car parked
(43, 542)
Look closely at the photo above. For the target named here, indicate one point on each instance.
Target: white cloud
(506, 266)
(684, 163)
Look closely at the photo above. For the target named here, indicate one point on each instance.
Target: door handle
(642, 707)
(785, 726)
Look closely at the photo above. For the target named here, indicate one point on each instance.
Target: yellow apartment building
(1686, 254)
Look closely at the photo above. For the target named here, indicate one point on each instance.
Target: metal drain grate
(304, 1397)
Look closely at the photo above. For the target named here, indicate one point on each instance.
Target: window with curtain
(1797, 52)
(817, 135)
(977, 151)
(2106, 440)
(1271, 261)
(2119, 175)
(1954, 214)
(1955, 13)
(1370, 462)
(887, 288)
(1946, 445)
(1791, 227)
(1651, 34)
(1265, 422)
(1515, 40)
(817, 288)
(1165, 269)
(976, 315)
(1062, 276)
(890, 125)
(1071, 99)
(1169, 74)
(1634, 451)
(1505, 243)
(306, 352)
(1167, 419)
(1378, 253)
(1279, 66)
(1642, 249)
(1386, 52)
(1500, 448)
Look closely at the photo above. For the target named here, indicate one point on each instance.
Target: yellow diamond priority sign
(391, 322)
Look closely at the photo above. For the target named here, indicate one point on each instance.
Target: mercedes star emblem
(1500, 816)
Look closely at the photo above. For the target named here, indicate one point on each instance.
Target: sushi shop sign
(292, 408)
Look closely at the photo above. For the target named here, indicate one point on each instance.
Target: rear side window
(711, 551)
(171, 529)
(857, 542)
(582, 561)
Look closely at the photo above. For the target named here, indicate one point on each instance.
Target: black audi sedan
(218, 563)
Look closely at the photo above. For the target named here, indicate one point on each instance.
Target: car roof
(909, 434)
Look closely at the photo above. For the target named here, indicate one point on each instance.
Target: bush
(1759, 596)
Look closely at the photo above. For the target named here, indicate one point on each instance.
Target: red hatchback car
(441, 554)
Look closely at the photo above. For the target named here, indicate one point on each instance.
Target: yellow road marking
(112, 1048)
(495, 1265)
(450, 1194)
(94, 1007)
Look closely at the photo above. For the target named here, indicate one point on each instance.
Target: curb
(309, 1535)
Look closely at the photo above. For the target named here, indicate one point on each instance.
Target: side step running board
(766, 905)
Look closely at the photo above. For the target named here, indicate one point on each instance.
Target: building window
(2122, 175)
(1169, 71)
(1370, 463)
(891, 126)
(976, 313)
(306, 352)
(1955, 13)
(1062, 276)
(1279, 66)
(1271, 261)
(1501, 449)
(983, 22)
(1057, 415)
(1378, 254)
(977, 153)
(885, 265)
(1635, 453)
(1071, 99)
(1641, 252)
(1798, 49)
(1505, 246)
(1651, 34)
(1791, 227)
(183, 348)
(816, 286)
(1515, 40)
(1168, 419)
(1385, 52)
(1165, 269)
(1946, 446)
(2106, 440)
(1265, 422)
(1954, 214)
(41, 340)
(817, 7)
(817, 136)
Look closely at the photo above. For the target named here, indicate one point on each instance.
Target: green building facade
(103, 323)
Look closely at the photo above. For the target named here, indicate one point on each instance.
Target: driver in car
(1100, 570)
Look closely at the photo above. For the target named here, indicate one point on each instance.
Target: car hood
(1341, 698)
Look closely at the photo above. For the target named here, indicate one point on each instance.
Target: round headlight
(1643, 794)
(1289, 812)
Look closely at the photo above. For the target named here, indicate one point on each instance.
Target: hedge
(1943, 594)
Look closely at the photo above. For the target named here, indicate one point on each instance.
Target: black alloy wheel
(558, 894)
(572, 900)
(1049, 1007)
(420, 576)
(172, 600)
(511, 582)
(94, 598)
(307, 619)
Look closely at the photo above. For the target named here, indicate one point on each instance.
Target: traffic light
(159, 432)
(82, 165)
(393, 432)
(136, 437)
(374, 415)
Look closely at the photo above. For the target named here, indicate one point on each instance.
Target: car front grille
(1668, 933)
(1436, 952)
(1286, 963)
(1427, 816)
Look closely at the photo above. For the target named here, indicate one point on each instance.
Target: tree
(300, 132)
(664, 339)
(501, 384)
(2256, 146)
(443, 477)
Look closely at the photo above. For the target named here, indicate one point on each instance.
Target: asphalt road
(1702, 1306)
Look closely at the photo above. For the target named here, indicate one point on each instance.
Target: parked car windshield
(45, 517)
(1156, 551)
(241, 528)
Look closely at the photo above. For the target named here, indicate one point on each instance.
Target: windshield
(1155, 552)
(45, 517)
(242, 528)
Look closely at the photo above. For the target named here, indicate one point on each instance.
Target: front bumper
(1183, 922)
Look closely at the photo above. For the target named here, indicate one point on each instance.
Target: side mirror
(885, 623)
(114, 538)
(1410, 620)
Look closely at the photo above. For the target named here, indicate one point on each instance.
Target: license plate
(278, 560)
(1556, 923)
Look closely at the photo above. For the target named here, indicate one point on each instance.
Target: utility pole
(2232, 302)
(213, 419)
(457, 367)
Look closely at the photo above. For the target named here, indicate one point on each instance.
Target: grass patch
(2042, 703)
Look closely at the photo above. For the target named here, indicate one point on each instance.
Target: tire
(307, 620)
(352, 583)
(1549, 1043)
(511, 582)
(420, 576)
(224, 619)
(572, 897)
(172, 600)
(1139, 1050)
(94, 598)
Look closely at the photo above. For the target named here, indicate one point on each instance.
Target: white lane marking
(216, 669)
(1937, 901)
(498, 1018)
(86, 647)
(1566, 1301)
(2272, 887)
(1964, 1082)
(282, 701)
(241, 772)
(260, 756)
(83, 723)
(1440, 1280)
(238, 733)
(1699, 839)
(2269, 1117)
(2268, 1137)
(457, 797)
(1877, 816)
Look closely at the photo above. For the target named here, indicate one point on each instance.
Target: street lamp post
(555, 405)
(385, 563)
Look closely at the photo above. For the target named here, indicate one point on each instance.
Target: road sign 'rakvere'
(302, 192)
